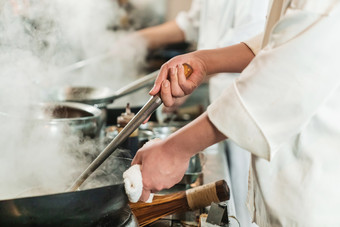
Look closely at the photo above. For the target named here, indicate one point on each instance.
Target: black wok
(102, 206)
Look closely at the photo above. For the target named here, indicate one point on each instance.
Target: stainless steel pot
(63, 117)
(79, 118)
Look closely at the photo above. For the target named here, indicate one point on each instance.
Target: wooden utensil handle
(163, 205)
(187, 70)
(204, 195)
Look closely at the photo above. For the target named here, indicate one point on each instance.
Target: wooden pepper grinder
(131, 143)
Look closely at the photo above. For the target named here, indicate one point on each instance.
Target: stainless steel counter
(216, 168)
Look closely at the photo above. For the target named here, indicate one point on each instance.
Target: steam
(38, 39)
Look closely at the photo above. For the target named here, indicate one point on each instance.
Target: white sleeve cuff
(235, 122)
(254, 44)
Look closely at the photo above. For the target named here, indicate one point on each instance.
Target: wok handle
(151, 105)
(204, 195)
(163, 205)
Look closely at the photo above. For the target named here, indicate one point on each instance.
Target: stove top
(186, 219)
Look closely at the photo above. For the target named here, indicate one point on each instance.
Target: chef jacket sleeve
(188, 21)
(254, 44)
(249, 20)
(283, 87)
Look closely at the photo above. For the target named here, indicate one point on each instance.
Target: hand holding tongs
(151, 105)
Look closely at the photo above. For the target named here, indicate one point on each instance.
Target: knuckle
(168, 102)
(164, 66)
(159, 188)
(188, 90)
(147, 185)
(175, 93)
(167, 186)
(144, 197)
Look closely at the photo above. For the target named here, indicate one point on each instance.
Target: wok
(100, 96)
(106, 205)
(93, 207)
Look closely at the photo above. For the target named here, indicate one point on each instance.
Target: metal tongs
(151, 105)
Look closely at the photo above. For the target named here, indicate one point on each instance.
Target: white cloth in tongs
(134, 184)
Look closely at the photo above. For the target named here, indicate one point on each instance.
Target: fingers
(181, 77)
(166, 94)
(163, 75)
(147, 119)
(185, 84)
(176, 90)
(154, 191)
(169, 110)
(137, 159)
(145, 195)
(172, 83)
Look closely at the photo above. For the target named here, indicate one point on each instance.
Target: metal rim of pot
(88, 120)
(92, 110)
(90, 123)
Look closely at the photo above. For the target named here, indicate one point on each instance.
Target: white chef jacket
(285, 109)
(220, 23)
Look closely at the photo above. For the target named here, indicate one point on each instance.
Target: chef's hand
(161, 166)
(177, 103)
(171, 81)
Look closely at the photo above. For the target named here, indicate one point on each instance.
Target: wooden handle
(187, 70)
(204, 195)
(163, 205)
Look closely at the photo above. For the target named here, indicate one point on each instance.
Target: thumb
(147, 119)
(137, 159)
(145, 195)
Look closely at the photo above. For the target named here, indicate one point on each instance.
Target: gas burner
(186, 219)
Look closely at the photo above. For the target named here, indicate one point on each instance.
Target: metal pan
(100, 96)
(56, 118)
(102, 206)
